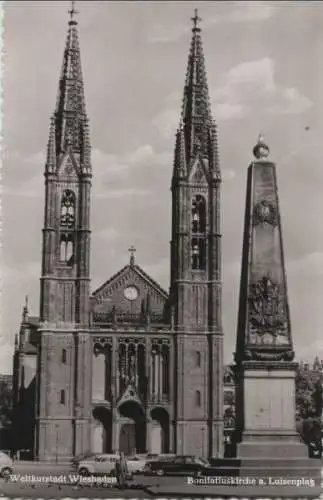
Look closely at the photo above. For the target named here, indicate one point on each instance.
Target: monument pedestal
(265, 403)
(270, 445)
(269, 411)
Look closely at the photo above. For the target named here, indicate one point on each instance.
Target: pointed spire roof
(71, 94)
(196, 110)
(196, 134)
(69, 124)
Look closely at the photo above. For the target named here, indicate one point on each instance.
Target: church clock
(131, 293)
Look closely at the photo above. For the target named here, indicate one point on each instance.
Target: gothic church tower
(64, 371)
(196, 268)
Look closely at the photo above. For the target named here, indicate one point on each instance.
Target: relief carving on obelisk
(267, 313)
(264, 213)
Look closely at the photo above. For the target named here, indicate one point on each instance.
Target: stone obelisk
(264, 350)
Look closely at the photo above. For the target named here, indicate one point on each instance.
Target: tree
(5, 405)
(6, 395)
(309, 402)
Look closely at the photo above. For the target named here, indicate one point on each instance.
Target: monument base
(271, 445)
(269, 412)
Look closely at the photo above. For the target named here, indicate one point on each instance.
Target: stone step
(270, 462)
(308, 463)
(284, 473)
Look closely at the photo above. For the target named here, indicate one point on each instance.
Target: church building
(128, 367)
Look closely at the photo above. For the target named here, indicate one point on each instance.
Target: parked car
(5, 465)
(83, 456)
(99, 465)
(177, 465)
(136, 464)
(158, 456)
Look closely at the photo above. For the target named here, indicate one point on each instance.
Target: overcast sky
(265, 71)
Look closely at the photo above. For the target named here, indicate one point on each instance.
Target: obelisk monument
(264, 350)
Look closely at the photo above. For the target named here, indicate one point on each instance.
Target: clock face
(131, 293)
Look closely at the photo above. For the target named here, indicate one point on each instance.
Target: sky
(265, 74)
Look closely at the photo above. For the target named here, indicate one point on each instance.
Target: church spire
(70, 119)
(196, 111)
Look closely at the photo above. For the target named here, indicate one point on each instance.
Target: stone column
(115, 431)
(160, 381)
(148, 433)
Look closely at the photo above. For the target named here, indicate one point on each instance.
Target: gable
(126, 295)
(130, 394)
(68, 168)
(198, 172)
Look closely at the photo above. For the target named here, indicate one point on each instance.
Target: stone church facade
(130, 366)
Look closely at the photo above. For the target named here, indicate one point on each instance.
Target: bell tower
(64, 397)
(196, 287)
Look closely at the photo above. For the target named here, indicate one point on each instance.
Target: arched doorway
(132, 429)
(102, 430)
(160, 431)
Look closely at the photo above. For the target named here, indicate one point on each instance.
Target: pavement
(25, 486)
(13, 491)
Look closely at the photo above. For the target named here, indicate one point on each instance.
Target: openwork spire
(196, 111)
(70, 113)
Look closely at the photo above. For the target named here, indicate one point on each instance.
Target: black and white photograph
(161, 249)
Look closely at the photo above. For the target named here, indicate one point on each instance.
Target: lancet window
(198, 253)
(160, 364)
(198, 214)
(62, 397)
(198, 230)
(66, 248)
(131, 367)
(67, 216)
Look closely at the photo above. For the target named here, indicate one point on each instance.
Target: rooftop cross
(72, 12)
(132, 251)
(196, 19)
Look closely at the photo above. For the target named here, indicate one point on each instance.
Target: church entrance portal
(159, 431)
(102, 431)
(132, 429)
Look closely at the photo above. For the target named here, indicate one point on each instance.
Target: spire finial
(25, 309)
(196, 19)
(261, 138)
(72, 12)
(261, 149)
(132, 251)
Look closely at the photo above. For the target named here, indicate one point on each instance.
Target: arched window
(198, 398)
(64, 356)
(62, 397)
(198, 214)
(69, 249)
(198, 358)
(198, 253)
(198, 242)
(62, 249)
(68, 209)
(66, 249)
